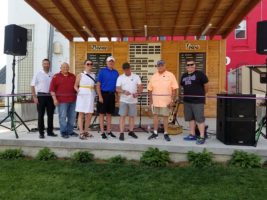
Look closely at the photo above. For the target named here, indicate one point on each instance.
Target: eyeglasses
(190, 64)
(88, 64)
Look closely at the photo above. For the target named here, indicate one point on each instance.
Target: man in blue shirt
(106, 88)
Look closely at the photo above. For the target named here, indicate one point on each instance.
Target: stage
(130, 148)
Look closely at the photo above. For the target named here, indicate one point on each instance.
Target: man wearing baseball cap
(106, 88)
(162, 89)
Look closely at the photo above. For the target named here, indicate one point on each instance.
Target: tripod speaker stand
(12, 113)
(140, 128)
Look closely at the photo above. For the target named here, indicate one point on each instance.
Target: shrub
(117, 160)
(11, 154)
(155, 158)
(200, 160)
(83, 157)
(245, 160)
(46, 154)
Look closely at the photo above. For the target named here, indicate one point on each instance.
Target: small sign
(99, 48)
(189, 46)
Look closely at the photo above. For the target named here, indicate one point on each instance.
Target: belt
(107, 92)
(87, 86)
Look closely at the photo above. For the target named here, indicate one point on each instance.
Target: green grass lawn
(30, 179)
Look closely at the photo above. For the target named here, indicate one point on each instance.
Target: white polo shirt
(130, 84)
(41, 81)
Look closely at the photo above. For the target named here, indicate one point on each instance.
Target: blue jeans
(67, 115)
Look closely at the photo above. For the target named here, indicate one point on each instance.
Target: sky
(3, 23)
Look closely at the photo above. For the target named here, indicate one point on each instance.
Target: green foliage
(11, 154)
(245, 160)
(155, 158)
(200, 160)
(117, 160)
(26, 179)
(46, 154)
(83, 157)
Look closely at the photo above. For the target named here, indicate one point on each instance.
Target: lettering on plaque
(190, 46)
(99, 48)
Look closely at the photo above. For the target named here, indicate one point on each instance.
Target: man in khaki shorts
(162, 89)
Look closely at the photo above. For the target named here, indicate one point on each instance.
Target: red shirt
(63, 86)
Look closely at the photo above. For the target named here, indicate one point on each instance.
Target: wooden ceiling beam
(70, 19)
(99, 18)
(193, 16)
(228, 14)
(42, 11)
(247, 9)
(179, 8)
(85, 19)
(129, 16)
(114, 17)
(161, 15)
(210, 16)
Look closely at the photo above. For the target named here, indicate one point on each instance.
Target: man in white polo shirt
(129, 86)
(41, 96)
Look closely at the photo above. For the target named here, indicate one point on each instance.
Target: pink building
(241, 43)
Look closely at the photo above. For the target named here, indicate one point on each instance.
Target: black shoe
(65, 136)
(73, 134)
(104, 136)
(52, 134)
(132, 134)
(41, 136)
(166, 137)
(153, 136)
(111, 134)
(121, 137)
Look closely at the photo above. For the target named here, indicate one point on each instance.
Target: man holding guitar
(162, 89)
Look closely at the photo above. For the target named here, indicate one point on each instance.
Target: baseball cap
(110, 58)
(160, 62)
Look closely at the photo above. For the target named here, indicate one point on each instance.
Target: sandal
(87, 134)
(83, 136)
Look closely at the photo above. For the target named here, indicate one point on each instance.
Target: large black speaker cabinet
(236, 119)
(262, 37)
(15, 40)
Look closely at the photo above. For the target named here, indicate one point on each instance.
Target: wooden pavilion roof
(139, 18)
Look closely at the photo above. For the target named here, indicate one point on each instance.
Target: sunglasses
(88, 64)
(190, 64)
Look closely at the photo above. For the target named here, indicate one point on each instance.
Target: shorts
(127, 109)
(194, 112)
(108, 106)
(161, 111)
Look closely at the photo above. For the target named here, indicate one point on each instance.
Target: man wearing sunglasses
(195, 85)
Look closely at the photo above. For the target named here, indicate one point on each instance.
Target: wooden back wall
(170, 50)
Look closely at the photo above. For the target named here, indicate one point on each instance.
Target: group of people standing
(72, 93)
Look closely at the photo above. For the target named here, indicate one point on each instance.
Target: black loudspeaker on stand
(262, 49)
(15, 40)
(236, 119)
(16, 45)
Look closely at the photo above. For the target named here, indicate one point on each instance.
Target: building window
(241, 30)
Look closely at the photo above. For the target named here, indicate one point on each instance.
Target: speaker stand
(12, 113)
(140, 128)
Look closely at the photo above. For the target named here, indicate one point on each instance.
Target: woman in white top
(85, 87)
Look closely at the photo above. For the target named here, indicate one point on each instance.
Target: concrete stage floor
(132, 149)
